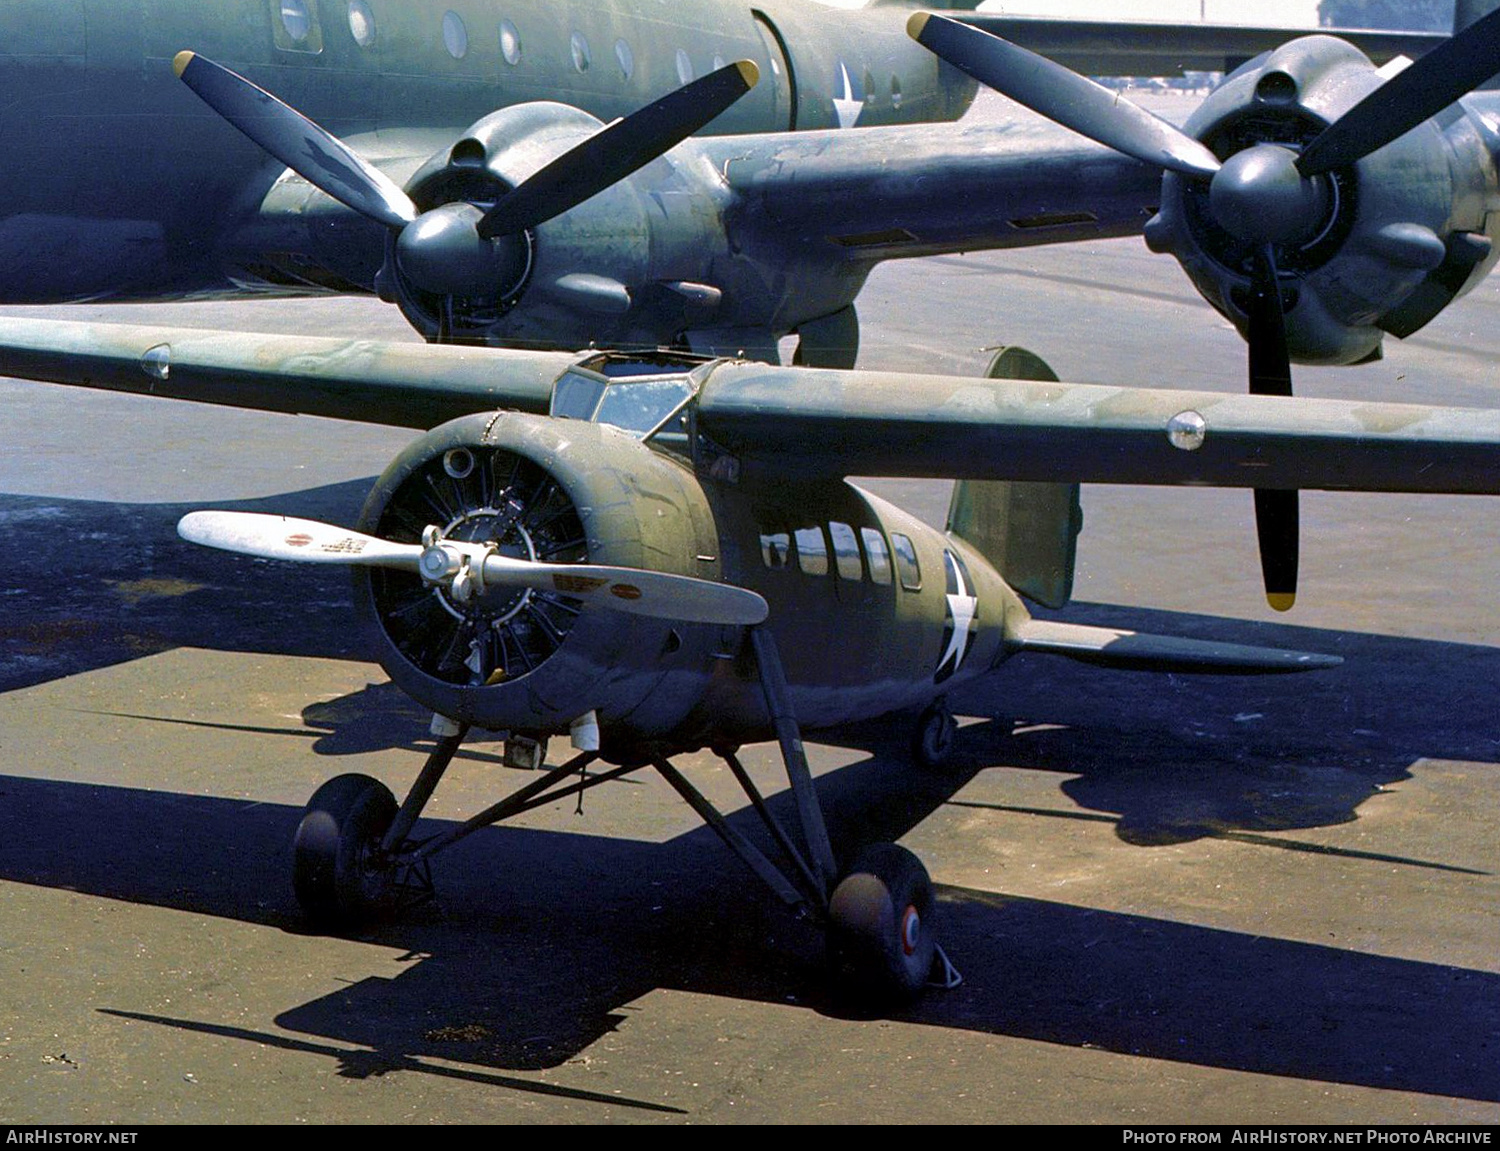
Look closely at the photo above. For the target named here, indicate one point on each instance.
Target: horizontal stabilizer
(1111, 647)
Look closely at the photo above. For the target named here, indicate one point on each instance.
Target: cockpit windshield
(639, 394)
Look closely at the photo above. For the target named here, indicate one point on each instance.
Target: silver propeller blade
(468, 568)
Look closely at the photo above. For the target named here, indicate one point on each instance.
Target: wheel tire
(339, 880)
(936, 737)
(880, 933)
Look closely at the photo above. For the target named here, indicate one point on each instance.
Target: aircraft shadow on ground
(525, 973)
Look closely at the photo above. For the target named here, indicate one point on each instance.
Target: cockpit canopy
(644, 394)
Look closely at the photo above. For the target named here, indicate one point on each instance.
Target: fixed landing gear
(341, 875)
(354, 859)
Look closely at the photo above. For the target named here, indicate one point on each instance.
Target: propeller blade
(616, 151)
(1453, 69)
(1062, 95)
(1277, 530)
(317, 156)
(649, 593)
(286, 538)
(1277, 522)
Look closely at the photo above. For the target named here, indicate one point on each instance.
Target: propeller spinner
(1264, 195)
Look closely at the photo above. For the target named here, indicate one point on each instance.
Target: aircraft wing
(785, 423)
(909, 190)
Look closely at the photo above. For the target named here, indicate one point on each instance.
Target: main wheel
(880, 926)
(340, 874)
(936, 737)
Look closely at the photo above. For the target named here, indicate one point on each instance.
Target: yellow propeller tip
(917, 22)
(1281, 600)
(749, 73)
(181, 61)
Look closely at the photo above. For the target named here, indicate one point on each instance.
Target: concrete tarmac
(1173, 899)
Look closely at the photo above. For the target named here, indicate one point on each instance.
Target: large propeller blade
(455, 249)
(1277, 514)
(319, 157)
(1451, 70)
(616, 151)
(1062, 95)
(466, 569)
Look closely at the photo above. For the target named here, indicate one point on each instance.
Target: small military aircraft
(655, 548)
(650, 552)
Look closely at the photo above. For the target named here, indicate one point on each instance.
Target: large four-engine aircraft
(654, 548)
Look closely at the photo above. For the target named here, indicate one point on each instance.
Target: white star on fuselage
(963, 607)
(847, 107)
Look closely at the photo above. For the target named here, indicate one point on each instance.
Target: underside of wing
(1115, 48)
(893, 192)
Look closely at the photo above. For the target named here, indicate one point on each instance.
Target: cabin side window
(878, 555)
(776, 549)
(294, 26)
(846, 551)
(812, 551)
(906, 562)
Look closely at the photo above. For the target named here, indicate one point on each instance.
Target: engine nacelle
(1405, 231)
(614, 270)
(531, 661)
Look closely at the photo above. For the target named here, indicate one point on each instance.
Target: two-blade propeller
(1265, 195)
(465, 570)
(459, 249)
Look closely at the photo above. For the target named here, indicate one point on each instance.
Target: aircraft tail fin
(1028, 531)
(1112, 647)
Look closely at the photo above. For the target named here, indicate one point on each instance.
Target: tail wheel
(880, 931)
(341, 876)
(935, 738)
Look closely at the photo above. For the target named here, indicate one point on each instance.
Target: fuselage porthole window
(775, 549)
(510, 43)
(878, 555)
(895, 91)
(812, 551)
(846, 551)
(684, 66)
(361, 23)
(718, 61)
(583, 58)
(906, 562)
(625, 58)
(455, 35)
(295, 20)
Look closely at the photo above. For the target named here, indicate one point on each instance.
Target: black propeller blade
(610, 155)
(1453, 69)
(319, 157)
(1276, 511)
(1062, 95)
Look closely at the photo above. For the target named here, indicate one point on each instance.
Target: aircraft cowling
(593, 274)
(1403, 232)
(531, 662)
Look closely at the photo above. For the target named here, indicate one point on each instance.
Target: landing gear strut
(355, 860)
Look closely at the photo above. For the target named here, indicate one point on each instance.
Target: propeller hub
(1260, 197)
(441, 252)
